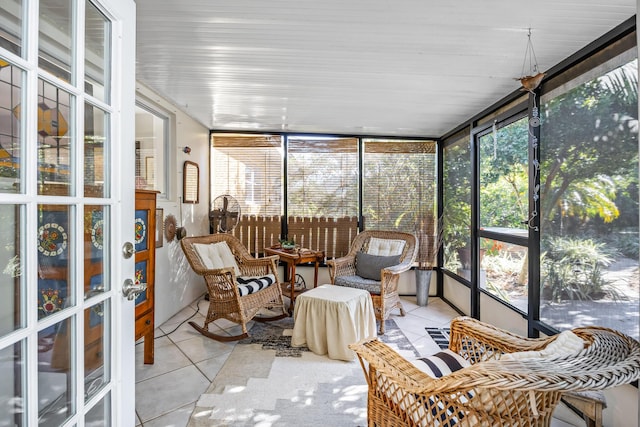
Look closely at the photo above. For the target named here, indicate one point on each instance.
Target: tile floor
(186, 361)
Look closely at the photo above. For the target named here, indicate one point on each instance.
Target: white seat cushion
(565, 344)
(385, 247)
(216, 255)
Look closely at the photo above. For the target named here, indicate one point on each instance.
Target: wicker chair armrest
(478, 341)
(214, 271)
(386, 360)
(259, 266)
(344, 266)
(398, 268)
(342, 262)
(267, 260)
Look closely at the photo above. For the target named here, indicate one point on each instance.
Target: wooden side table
(292, 258)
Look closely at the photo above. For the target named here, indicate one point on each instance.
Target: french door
(66, 212)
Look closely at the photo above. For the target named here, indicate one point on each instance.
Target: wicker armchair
(384, 292)
(226, 301)
(491, 392)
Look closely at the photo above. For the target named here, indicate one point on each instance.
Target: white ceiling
(364, 67)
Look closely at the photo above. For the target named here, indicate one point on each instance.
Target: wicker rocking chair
(229, 299)
(492, 392)
(384, 292)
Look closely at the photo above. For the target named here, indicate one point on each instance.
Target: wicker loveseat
(384, 292)
(240, 289)
(492, 392)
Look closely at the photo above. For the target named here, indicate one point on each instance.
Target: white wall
(458, 294)
(176, 285)
(495, 313)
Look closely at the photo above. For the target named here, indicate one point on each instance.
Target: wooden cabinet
(145, 245)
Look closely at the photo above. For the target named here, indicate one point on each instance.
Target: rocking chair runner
(227, 299)
(492, 392)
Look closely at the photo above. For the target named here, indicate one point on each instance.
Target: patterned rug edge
(440, 336)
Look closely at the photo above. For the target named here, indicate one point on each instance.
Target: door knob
(132, 290)
(128, 250)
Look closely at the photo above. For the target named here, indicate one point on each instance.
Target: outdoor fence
(331, 235)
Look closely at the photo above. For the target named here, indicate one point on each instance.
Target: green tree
(589, 147)
(504, 175)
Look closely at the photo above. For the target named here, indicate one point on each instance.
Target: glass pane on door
(56, 39)
(96, 368)
(12, 386)
(12, 295)
(96, 123)
(54, 273)
(11, 26)
(95, 248)
(55, 140)
(56, 386)
(99, 416)
(97, 51)
(11, 82)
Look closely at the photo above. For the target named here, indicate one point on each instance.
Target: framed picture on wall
(159, 224)
(190, 182)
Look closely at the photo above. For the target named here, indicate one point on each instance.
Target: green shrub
(625, 242)
(573, 269)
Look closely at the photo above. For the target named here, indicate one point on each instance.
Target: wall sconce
(186, 150)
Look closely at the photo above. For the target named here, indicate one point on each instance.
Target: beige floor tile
(167, 358)
(186, 331)
(178, 418)
(168, 392)
(201, 348)
(211, 367)
(187, 313)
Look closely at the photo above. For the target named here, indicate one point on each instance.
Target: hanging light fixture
(532, 80)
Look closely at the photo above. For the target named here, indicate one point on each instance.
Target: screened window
(399, 190)
(322, 177)
(456, 198)
(504, 176)
(249, 168)
(589, 199)
(504, 206)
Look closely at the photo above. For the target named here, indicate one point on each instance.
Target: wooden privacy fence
(331, 235)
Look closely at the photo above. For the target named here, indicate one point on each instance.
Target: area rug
(440, 336)
(267, 383)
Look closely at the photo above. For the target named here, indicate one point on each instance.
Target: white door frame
(123, 130)
(119, 351)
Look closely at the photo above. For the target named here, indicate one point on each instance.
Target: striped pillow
(251, 284)
(441, 363)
